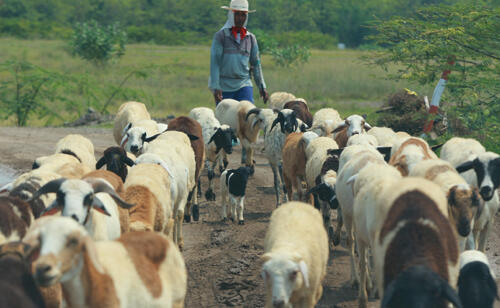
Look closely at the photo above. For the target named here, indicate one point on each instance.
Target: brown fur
(52, 296)
(301, 110)
(433, 172)
(294, 163)
(399, 161)
(147, 251)
(415, 244)
(245, 131)
(415, 205)
(462, 205)
(145, 210)
(341, 138)
(117, 184)
(10, 221)
(99, 288)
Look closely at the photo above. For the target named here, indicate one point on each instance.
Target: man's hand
(217, 96)
(264, 95)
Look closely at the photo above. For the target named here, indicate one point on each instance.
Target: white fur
(278, 99)
(385, 136)
(324, 121)
(296, 242)
(128, 112)
(81, 146)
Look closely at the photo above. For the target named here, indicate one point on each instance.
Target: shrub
(97, 43)
(288, 56)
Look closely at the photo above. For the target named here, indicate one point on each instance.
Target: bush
(97, 43)
(288, 56)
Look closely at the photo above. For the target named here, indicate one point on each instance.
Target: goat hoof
(187, 218)
(241, 222)
(225, 219)
(209, 195)
(331, 234)
(226, 163)
(196, 212)
(336, 240)
(232, 219)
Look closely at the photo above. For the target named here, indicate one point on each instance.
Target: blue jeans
(245, 93)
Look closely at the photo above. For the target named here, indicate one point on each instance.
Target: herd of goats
(81, 232)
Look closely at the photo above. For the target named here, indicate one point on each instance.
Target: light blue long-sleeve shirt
(231, 63)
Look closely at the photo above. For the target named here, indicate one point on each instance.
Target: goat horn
(50, 187)
(99, 185)
(252, 111)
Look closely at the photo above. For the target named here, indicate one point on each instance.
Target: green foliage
(425, 45)
(27, 90)
(291, 55)
(168, 21)
(97, 43)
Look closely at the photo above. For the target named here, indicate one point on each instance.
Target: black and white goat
(476, 281)
(233, 183)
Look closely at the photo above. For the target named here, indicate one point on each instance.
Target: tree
(28, 90)
(422, 45)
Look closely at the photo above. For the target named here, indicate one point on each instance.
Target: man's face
(239, 18)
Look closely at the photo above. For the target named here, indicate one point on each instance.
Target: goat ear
(265, 257)
(386, 151)
(388, 294)
(127, 160)
(304, 127)
(340, 127)
(233, 136)
(124, 140)
(450, 294)
(126, 128)
(100, 163)
(99, 206)
(364, 116)
(304, 271)
(367, 126)
(212, 138)
(192, 137)
(149, 139)
(465, 166)
(52, 209)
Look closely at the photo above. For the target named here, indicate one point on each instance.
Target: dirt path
(222, 259)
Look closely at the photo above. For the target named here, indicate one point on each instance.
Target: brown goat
(294, 164)
(301, 110)
(194, 131)
(15, 218)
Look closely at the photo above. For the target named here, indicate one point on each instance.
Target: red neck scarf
(241, 30)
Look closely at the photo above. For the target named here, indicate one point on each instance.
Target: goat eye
(88, 199)
(143, 137)
(293, 275)
(72, 242)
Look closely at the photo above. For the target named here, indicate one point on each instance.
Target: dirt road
(222, 259)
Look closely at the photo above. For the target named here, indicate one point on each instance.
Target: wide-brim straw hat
(238, 5)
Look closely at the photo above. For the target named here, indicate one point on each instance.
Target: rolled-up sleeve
(215, 63)
(256, 65)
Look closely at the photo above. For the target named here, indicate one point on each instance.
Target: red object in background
(434, 108)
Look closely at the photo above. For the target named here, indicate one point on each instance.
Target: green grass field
(178, 78)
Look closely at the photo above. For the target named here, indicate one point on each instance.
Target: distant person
(234, 57)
